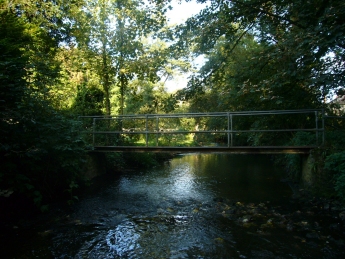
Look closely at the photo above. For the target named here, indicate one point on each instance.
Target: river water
(194, 206)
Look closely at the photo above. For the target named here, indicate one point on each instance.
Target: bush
(303, 139)
(41, 154)
(335, 165)
(292, 162)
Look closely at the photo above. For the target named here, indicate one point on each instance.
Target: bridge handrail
(205, 114)
(199, 131)
(318, 113)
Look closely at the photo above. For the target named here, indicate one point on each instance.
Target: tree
(263, 55)
(302, 43)
(46, 29)
(145, 95)
(13, 62)
(40, 152)
(146, 98)
(114, 37)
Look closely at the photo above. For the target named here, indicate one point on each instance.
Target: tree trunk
(106, 81)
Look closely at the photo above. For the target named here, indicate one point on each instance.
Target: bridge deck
(234, 150)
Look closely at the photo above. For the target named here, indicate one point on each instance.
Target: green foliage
(145, 98)
(88, 102)
(112, 32)
(13, 60)
(303, 139)
(335, 134)
(54, 59)
(74, 74)
(144, 160)
(265, 54)
(141, 160)
(293, 162)
(41, 152)
(292, 165)
(340, 186)
(72, 186)
(58, 55)
(335, 165)
(115, 161)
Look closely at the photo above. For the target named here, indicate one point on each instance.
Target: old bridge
(228, 132)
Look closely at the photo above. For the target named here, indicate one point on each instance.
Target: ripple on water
(123, 240)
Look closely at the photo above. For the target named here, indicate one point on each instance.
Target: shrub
(335, 165)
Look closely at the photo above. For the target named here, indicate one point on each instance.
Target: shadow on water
(194, 206)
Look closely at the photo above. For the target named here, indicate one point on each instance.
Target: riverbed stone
(342, 215)
(263, 254)
(312, 235)
(290, 226)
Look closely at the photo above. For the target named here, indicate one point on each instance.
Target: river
(193, 206)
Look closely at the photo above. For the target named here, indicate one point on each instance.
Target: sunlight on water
(123, 240)
(183, 183)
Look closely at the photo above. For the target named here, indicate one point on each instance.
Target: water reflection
(184, 183)
(178, 210)
(174, 211)
(239, 177)
(195, 206)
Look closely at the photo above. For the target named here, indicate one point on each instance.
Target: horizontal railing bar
(129, 125)
(219, 147)
(238, 149)
(335, 117)
(200, 131)
(218, 114)
(277, 130)
(188, 116)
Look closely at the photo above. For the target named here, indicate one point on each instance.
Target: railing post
(232, 134)
(146, 125)
(228, 129)
(157, 126)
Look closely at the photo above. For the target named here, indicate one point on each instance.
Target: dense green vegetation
(56, 66)
(273, 55)
(63, 59)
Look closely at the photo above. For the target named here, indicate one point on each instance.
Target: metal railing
(219, 129)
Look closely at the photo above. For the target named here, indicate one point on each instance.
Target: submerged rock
(312, 235)
(342, 215)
